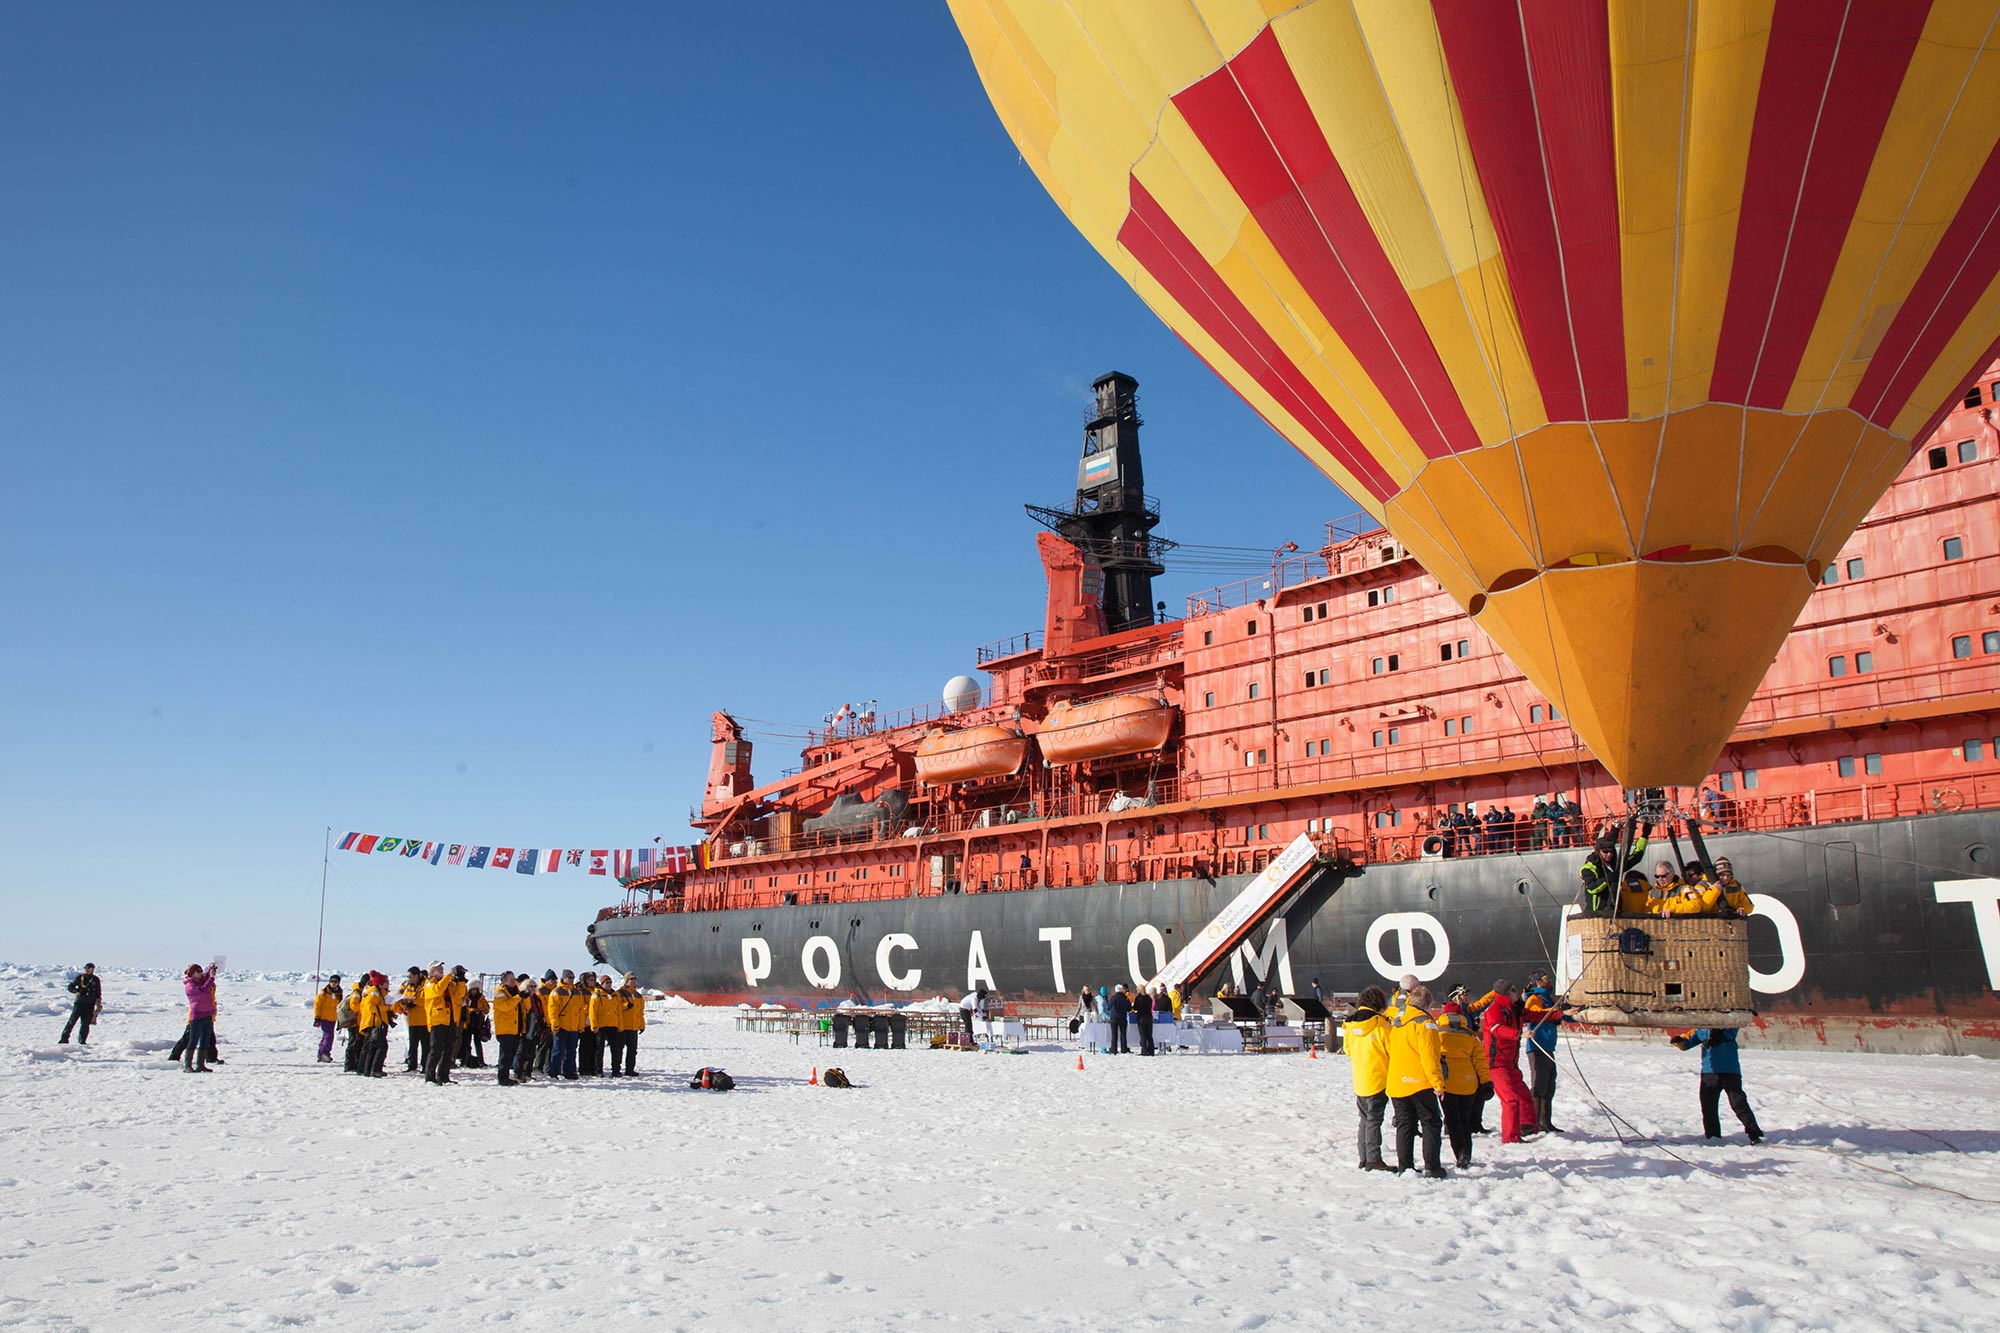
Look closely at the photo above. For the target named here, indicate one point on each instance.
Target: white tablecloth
(1166, 1036)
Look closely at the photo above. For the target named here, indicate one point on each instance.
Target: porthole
(1979, 853)
(1521, 886)
(1431, 892)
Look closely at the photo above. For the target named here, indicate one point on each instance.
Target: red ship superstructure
(1343, 695)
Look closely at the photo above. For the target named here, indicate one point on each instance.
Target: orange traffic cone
(814, 1080)
(1312, 1052)
(1079, 1062)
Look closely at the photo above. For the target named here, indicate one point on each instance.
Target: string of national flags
(623, 862)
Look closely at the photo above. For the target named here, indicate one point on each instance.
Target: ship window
(1322, 610)
(1989, 642)
(1208, 699)
(1254, 689)
(1444, 652)
(1375, 668)
(1845, 765)
(1864, 663)
(1305, 616)
(1325, 745)
(1749, 779)
(1534, 712)
(1872, 763)
(1464, 648)
(1395, 662)
(1954, 548)
(1388, 819)
(1975, 751)
(1831, 576)
(1854, 568)
(1249, 627)
(1968, 450)
(1465, 726)
(1208, 638)
(1374, 597)
(1726, 781)
(1972, 396)
(1263, 756)
(1836, 666)
(1325, 676)
(1937, 458)
(1263, 830)
(1388, 596)
(1377, 740)
(1395, 735)
(1309, 747)
(1309, 680)
(1961, 645)
(1249, 758)
(1554, 716)
(1451, 726)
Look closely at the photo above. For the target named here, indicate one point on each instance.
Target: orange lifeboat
(1122, 724)
(973, 752)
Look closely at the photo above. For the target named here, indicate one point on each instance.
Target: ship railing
(1875, 689)
(860, 725)
(1025, 642)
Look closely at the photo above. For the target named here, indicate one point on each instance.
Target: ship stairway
(1270, 894)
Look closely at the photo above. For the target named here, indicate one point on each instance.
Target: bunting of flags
(625, 863)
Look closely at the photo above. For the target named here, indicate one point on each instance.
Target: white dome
(961, 693)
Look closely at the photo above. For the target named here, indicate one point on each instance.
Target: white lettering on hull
(977, 973)
(1055, 937)
(1276, 953)
(821, 946)
(1791, 948)
(1146, 934)
(1984, 897)
(756, 959)
(885, 963)
(1405, 926)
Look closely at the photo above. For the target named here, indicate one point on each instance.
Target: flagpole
(319, 949)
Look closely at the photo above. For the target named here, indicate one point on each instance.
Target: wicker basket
(1682, 971)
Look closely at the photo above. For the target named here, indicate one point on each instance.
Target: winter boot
(187, 1060)
(201, 1061)
(1548, 1114)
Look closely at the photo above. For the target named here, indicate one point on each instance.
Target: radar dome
(961, 693)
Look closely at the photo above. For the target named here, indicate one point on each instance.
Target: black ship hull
(1874, 935)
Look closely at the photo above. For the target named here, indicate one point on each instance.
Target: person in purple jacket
(200, 987)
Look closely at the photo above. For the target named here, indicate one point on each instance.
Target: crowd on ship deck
(565, 1026)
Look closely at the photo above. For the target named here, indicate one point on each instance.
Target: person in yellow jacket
(440, 1000)
(602, 1013)
(1666, 888)
(1729, 893)
(475, 1025)
(509, 1014)
(410, 1004)
(371, 1017)
(1365, 1038)
(568, 1024)
(1462, 1056)
(1415, 1077)
(326, 1013)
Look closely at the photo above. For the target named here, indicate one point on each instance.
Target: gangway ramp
(1270, 894)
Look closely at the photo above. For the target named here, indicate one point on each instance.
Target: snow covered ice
(949, 1190)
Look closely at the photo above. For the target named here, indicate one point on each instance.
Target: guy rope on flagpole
(319, 949)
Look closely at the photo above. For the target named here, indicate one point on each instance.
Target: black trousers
(1418, 1111)
(1542, 1067)
(420, 1049)
(612, 1041)
(631, 1053)
(538, 1054)
(374, 1055)
(510, 1053)
(589, 1052)
(351, 1058)
(1461, 1111)
(1120, 1039)
(1368, 1111)
(444, 1046)
(76, 1016)
(1480, 1098)
(1713, 1086)
(1145, 1036)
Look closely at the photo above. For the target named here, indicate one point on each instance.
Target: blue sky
(418, 419)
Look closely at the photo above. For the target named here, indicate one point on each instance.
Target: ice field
(950, 1190)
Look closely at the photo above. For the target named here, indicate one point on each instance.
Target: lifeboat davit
(973, 752)
(1122, 724)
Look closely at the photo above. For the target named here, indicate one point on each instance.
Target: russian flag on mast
(347, 843)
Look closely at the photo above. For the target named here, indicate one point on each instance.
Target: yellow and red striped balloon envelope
(1620, 316)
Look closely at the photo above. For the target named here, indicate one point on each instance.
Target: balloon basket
(1662, 972)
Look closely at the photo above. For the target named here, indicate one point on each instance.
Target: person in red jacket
(1500, 1028)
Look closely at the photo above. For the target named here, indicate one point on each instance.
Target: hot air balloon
(1619, 316)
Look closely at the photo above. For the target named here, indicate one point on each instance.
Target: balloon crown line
(626, 864)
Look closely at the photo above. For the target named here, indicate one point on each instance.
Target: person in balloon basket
(86, 1007)
(1415, 1078)
(1721, 1074)
(200, 988)
(1601, 878)
(1500, 1036)
(1366, 1038)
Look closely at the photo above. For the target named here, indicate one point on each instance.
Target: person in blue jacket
(1543, 1016)
(1721, 1071)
